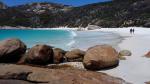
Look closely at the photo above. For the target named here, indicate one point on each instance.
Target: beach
(134, 69)
(74, 42)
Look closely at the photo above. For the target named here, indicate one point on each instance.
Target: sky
(66, 2)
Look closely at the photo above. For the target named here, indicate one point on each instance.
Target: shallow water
(57, 38)
(86, 39)
(65, 39)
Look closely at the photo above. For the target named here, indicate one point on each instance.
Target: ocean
(65, 39)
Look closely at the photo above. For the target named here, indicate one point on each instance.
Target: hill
(116, 13)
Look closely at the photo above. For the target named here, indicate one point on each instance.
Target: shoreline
(70, 28)
(134, 69)
(112, 38)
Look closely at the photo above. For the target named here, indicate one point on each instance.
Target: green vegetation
(116, 13)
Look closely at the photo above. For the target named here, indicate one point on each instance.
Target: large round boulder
(58, 55)
(100, 57)
(11, 50)
(75, 55)
(40, 54)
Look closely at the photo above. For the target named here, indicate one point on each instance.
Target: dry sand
(134, 69)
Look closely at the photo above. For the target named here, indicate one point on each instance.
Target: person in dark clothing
(133, 31)
(130, 31)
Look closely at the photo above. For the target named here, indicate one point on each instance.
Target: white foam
(57, 28)
(71, 43)
(74, 34)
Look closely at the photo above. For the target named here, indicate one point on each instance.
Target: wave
(73, 33)
(71, 43)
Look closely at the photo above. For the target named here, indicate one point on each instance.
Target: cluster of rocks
(14, 51)
(95, 58)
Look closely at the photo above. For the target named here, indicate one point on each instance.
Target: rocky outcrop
(75, 55)
(125, 53)
(40, 54)
(55, 76)
(100, 57)
(97, 57)
(40, 8)
(92, 27)
(11, 50)
(58, 55)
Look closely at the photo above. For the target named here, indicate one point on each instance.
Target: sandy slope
(136, 68)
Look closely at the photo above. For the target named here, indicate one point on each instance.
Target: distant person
(131, 31)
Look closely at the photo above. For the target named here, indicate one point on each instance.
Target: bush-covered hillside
(116, 13)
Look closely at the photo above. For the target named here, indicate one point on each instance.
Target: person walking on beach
(133, 31)
(130, 31)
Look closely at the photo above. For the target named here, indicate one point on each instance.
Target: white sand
(136, 68)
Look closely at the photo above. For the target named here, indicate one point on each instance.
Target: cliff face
(116, 13)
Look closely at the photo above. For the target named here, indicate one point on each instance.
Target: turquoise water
(57, 38)
(65, 39)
